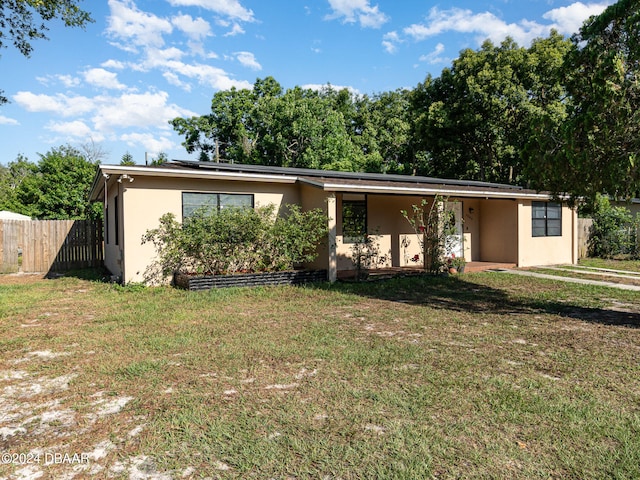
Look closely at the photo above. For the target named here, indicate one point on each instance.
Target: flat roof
(308, 172)
(327, 180)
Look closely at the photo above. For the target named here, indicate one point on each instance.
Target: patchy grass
(631, 265)
(482, 375)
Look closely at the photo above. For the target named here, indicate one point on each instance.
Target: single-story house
(494, 222)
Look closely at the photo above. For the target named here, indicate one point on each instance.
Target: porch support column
(332, 213)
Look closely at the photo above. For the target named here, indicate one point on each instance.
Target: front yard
(485, 375)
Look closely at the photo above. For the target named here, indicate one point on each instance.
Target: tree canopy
(23, 21)
(468, 123)
(595, 149)
(57, 187)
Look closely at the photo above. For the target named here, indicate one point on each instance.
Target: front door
(453, 243)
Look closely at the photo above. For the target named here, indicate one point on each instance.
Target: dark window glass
(192, 201)
(116, 220)
(546, 219)
(354, 219)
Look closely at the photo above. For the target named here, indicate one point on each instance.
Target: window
(546, 219)
(116, 221)
(354, 218)
(192, 201)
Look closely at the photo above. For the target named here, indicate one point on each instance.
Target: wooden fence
(584, 229)
(44, 246)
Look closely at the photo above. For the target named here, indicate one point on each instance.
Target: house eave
(132, 171)
(428, 191)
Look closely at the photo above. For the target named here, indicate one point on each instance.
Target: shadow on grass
(458, 294)
(99, 274)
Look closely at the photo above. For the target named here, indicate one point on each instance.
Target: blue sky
(143, 62)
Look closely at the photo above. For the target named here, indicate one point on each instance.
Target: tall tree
(473, 119)
(11, 178)
(22, 21)
(596, 150)
(58, 186)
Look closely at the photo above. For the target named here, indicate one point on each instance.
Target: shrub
(434, 227)
(235, 240)
(614, 231)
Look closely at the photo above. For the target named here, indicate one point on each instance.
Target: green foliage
(234, 240)
(365, 255)
(127, 159)
(473, 118)
(596, 149)
(434, 226)
(57, 187)
(614, 231)
(326, 129)
(160, 159)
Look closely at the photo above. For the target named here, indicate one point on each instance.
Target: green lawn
(477, 376)
(631, 265)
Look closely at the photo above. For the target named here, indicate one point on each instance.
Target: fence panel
(584, 229)
(50, 245)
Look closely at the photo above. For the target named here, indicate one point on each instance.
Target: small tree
(614, 231)
(434, 226)
(365, 254)
(127, 159)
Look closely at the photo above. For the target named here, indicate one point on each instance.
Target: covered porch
(494, 224)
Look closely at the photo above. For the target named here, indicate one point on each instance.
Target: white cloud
(114, 64)
(486, 25)
(8, 121)
(235, 30)
(174, 80)
(128, 24)
(229, 8)
(206, 75)
(68, 81)
(99, 77)
(61, 104)
(153, 144)
(75, 129)
(108, 114)
(196, 29)
(146, 110)
(435, 56)
(569, 19)
(160, 57)
(352, 11)
(390, 42)
(248, 60)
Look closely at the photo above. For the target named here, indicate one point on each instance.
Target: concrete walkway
(599, 271)
(583, 281)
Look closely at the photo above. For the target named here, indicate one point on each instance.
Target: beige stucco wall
(148, 198)
(535, 251)
(394, 239)
(113, 247)
(498, 229)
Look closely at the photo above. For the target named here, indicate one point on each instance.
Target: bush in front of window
(234, 240)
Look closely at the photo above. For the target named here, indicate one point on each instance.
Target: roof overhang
(338, 182)
(106, 172)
